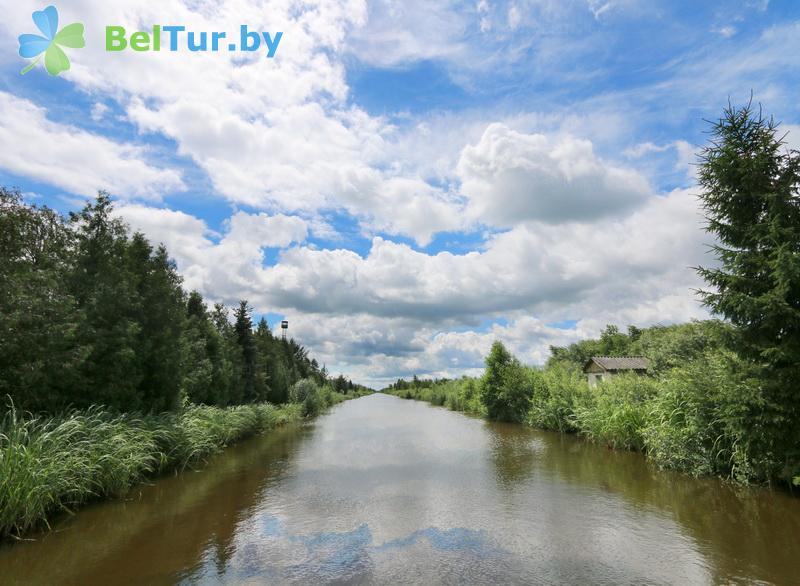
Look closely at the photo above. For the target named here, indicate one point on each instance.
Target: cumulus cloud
(398, 310)
(584, 238)
(510, 177)
(534, 268)
(73, 159)
(275, 134)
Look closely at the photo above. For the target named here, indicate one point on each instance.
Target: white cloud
(510, 177)
(74, 159)
(599, 7)
(645, 148)
(725, 31)
(394, 33)
(398, 311)
(99, 111)
(277, 135)
(587, 237)
(514, 17)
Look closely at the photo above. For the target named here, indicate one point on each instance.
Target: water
(384, 490)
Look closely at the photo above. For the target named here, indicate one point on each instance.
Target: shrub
(312, 397)
(555, 393)
(463, 395)
(615, 412)
(708, 418)
(505, 386)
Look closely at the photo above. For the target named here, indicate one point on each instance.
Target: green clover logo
(55, 60)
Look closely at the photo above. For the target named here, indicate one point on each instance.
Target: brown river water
(389, 491)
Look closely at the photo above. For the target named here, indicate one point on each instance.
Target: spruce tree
(243, 326)
(750, 195)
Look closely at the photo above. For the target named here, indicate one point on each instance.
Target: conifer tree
(750, 196)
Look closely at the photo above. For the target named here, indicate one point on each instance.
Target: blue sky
(408, 181)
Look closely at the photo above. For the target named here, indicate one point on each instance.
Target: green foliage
(750, 195)
(615, 412)
(312, 397)
(207, 367)
(677, 345)
(90, 314)
(505, 386)
(458, 395)
(750, 187)
(555, 393)
(704, 410)
(612, 342)
(53, 465)
(40, 354)
(665, 346)
(463, 395)
(708, 418)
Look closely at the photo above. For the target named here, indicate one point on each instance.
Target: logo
(249, 41)
(33, 46)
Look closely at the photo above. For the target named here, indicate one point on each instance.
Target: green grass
(53, 465)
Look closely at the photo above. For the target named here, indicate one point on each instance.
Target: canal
(385, 490)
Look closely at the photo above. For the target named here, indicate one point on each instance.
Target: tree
(93, 315)
(103, 288)
(505, 388)
(264, 341)
(612, 342)
(40, 356)
(750, 197)
(243, 327)
(160, 315)
(207, 368)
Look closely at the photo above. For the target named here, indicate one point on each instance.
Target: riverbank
(705, 418)
(381, 489)
(49, 466)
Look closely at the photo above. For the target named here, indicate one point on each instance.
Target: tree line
(91, 314)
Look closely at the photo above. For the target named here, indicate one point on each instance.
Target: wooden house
(600, 368)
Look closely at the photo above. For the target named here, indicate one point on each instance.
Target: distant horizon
(407, 183)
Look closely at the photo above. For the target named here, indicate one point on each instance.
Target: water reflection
(514, 452)
(383, 490)
(742, 533)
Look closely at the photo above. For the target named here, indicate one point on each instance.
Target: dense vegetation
(90, 314)
(56, 464)
(111, 372)
(720, 396)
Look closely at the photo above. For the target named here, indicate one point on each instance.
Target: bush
(616, 411)
(708, 419)
(505, 386)
(555, 393)
(464, 395)
(313, 398)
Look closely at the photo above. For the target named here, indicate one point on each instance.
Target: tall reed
(50, 465)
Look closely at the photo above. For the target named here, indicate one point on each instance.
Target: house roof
(620, 362)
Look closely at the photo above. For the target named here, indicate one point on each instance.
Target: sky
(407, 182)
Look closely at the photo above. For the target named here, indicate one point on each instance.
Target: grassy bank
(50, 465)
(673, 419)
(705, 414)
